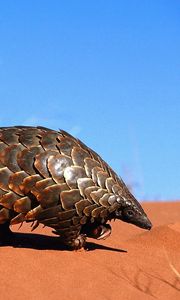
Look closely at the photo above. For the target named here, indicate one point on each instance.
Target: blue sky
(107, 72)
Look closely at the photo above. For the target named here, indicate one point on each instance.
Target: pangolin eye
(129, 213)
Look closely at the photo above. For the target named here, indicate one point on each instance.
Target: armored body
(52, 178)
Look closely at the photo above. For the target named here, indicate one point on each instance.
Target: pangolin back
(53, 178)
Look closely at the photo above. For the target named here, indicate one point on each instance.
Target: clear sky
(107, 72)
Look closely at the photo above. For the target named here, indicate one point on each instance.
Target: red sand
(37, 268)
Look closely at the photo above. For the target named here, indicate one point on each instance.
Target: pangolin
(50, 177)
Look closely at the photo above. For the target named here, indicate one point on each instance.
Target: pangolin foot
(77, 243)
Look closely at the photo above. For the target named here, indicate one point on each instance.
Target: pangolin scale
(50, 177)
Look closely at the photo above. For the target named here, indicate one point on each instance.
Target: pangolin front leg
(74, 240)
(78, 243)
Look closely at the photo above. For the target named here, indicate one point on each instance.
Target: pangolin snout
(146, 223)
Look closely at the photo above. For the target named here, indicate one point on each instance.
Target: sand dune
(130, 264)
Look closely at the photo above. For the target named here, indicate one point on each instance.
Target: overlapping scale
(116, 189)
(89, 165)
(84, 183)
(66, 215)
(60, 224)
(69, 198)
(50, 221)
(88, 209)
(65, 145)
(78, 156)
(96, 195)
(97, 211)
(95, 171)
(89, 190)
(8, 157)
(5, 174)
(20, 218)
(109, 184)
(41, 184)
(2, 148)
(83, 220)
(40, 162)
(57, 164)
(8, 199)
(104, 200)
(112, 199)
(101, 179)
(29, 137)
(104, 213)
(49, 140)
(25, 159)
(51, 212)
(22, 205)
(81, 205)
(76, 220)
(72, 174)
(70, 232)
(50, 196)
(29, 183)
(9, 136)
(15, 180)
(34, 213)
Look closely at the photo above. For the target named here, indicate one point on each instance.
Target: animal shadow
(45, 242)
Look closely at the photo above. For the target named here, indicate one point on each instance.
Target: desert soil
(131, 264)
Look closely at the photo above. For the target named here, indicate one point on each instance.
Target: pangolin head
(130, 211)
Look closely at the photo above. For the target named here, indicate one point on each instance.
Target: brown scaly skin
(50, 177)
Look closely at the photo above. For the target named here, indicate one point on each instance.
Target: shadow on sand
(44, 242)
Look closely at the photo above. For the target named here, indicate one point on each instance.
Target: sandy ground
(130, 264)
